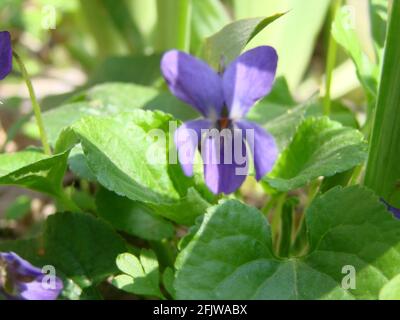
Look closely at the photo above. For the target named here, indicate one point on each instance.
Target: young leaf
(230, 255)
(140, 276)
(132, 217)
(229, 42)
(320, 147)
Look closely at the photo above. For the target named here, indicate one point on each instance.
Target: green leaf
(78, 164)
(229, 255)
(136, 166)
(34, 170)
(122, 166)
(345, 34)
(132, 217)
(391, 290)
(82, 247)
(140, 276)
(294, 36)
(320, 147)
(229, 42)
(383, 170)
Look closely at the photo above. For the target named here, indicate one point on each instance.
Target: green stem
(383, 170)
(356, 175)
(184, 21)
(287, 227)
(276, 219)
(269, 205)
(35, 105)
(330, 62)
(300, 244)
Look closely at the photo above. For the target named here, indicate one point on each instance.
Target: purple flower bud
(20, 280)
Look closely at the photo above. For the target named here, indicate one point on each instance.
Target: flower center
(223, 123)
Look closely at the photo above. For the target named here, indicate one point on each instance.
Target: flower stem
(287, 220)
(331, 60)
(35, 104)
(184, 21)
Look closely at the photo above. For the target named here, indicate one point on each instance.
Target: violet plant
(208, 159)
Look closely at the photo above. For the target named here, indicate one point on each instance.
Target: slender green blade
(383, 170)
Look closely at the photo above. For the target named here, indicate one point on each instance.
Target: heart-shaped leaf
(354, 252)
(320, 147)
(141, 276)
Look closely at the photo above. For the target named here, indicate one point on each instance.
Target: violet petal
(262, 146)
(187, 138)
(193, 81)
(224, 170)
(29, 283)
(249, 78)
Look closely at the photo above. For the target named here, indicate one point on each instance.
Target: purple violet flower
(223, 99)
(5, 54)
(21, 281)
